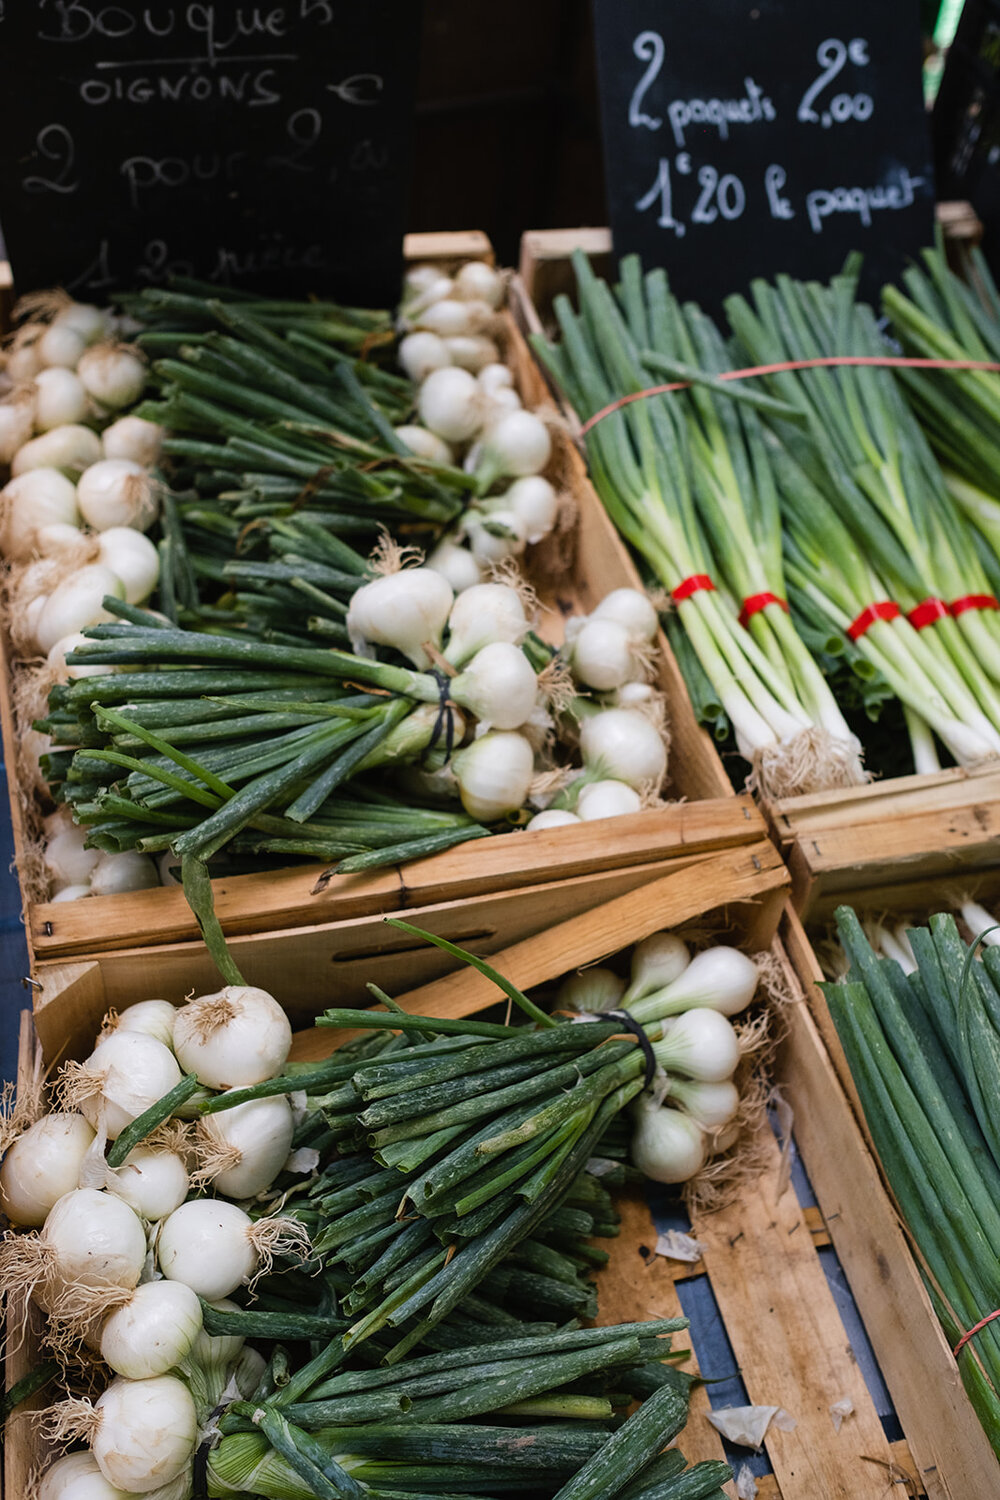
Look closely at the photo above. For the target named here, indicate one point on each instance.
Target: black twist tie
(631, 1024)
(445, 721)
(199, 1470)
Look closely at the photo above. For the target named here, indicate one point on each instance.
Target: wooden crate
(870, 843)
(760, 1256)
(284, 899)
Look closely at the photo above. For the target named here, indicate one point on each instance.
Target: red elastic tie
(692, 585)
(756, 602)
(967, 1336)
(926, 612)
(973, 601)
(885, 609)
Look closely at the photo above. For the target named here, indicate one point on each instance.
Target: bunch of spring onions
(468, 408)
(924, 1051)
(500, 1141)
(688, 482)
(944, 317)
(868, 519)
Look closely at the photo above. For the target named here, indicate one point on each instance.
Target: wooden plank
(789, 1341)
(450, 245)
(949, 1447)
(635, 1286)
(284, 898)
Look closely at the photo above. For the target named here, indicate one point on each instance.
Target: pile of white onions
(470, 412)
(691, 1112)
(73, 516)
(119, 1257)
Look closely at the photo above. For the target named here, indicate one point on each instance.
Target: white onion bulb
(114, 377)
(499, 686)
(17, 420)
(607, 799)
(71, 671)
(98, 1241)
(479, 282)
(631, 609)
(206, 1244)
(152, 1181)
(623, 744)
(133, 558)
(721, 978)
(59, 398)
(153, 1017)
(451, 404)
(518, 444)
(42, 1165)
(534, 500)
(133, 1071)
(456, 564)
(147, 1434)
(28, 503)
(472, 351)
(134, 438)
(426, 444)
(232, 1038)
(590, 990)
(153, 1332)
(667, 1146)
(75, 603)
(77, 1476)
(67, 861)
(699, 1044)
(552, 817)
(60, 344)
(128, 870)
(406, 610)
(422, 352)
(656, 961)
(70, 448)
(117, 492)
(260, 1132)
(494, 774)
(488, 612)
(602, 655)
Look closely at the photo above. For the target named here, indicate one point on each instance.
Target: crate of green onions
(572, 570)
(829, 535)
(757, 1249)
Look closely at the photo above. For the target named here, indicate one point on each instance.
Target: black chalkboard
(261, 146)
(743, 138)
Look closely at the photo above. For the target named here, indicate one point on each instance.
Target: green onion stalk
(863, 454)
(924, 1051)
(686, 484)
(944, 317)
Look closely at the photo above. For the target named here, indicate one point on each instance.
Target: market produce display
(357, 706)
(814, 550)
(406, 1224)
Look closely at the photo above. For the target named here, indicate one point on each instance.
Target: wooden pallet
(761, 1256)
(569, 578)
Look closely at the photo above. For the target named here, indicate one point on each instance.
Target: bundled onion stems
(924, 1050)
(687, 482)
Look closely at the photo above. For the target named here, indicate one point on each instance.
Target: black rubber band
(631, 1024)
(199, 1468)
(445, 720)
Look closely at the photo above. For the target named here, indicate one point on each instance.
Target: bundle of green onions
(924, 1051)
(444, 1181)
(947, 318)
(688, 482)
(873, 541)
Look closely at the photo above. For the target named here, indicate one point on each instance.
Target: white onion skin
(481, 614)
(476, 281)
(456, 564)
(248, 1047)
(126, 870)
(590, 990)
(41, 1166)
(631, 609)
(70, 448)
(77, 1476)
(66, 859)
(404, 610)
(71, 893)
(134, 438)
(76, 603)
(666, 1146)
(205, 1244)
(60, 345)
(133, 1417)
(262, 1129)
(115, 378)
(499, 686)
(154, 1017)
(607, 799)
(71, 671)
(116, 492)
(59, 398)
(153, 1332)
(626, 746)
(132, 557)
(152, 1182)
(552, 817)
(451, 403)
(31, 501)
(494, 774)
(425, 444)
(138, 1070)
(16, 425)
(422, 352)
(98, 1239)
(472, 351)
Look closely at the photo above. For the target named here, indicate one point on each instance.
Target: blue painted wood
(13, 946)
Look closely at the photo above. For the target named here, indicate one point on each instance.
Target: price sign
(261, 146)
(745, 139)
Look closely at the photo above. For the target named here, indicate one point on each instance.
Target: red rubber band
(756, 602)
(926, 612)
(881, 361)
(885, 609)
(973, 601)
(692, 585)
(967, 1336)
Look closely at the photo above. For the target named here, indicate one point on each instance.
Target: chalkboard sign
(743, 138)
(259, 146)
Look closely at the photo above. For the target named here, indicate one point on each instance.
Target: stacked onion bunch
(469, 412)
(128, 1249)
(693, 1110)
(81, 496)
